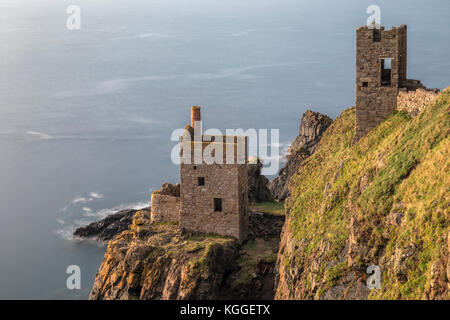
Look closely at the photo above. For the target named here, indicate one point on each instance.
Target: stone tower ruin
(380, 72)
(213, 195)
(381, 83)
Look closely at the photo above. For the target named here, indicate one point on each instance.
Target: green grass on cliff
(400, 167)
(271, 207)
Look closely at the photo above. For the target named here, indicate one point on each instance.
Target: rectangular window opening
(365, 84)
(386, 65)
(201, 181)
(376, 35)
(217, 204)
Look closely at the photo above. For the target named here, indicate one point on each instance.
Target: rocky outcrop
(107, 228)
(157, 261)
(312, 126)
(258, 190)
(163, 264)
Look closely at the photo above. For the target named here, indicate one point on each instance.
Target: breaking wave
(78, 213)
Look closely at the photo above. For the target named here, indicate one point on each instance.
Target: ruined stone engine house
(213, 195)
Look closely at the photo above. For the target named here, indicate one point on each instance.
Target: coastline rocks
(109, 227)
(312, 126)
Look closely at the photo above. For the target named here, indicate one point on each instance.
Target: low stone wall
(413, 102)
(165, 208)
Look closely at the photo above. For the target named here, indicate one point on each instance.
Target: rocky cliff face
(312, 126)
(157, 261)
(258, 190)
(383, 201)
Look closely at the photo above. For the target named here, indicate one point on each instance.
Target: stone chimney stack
(195, 115)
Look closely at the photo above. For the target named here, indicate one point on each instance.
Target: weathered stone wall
(228, 182)
(243, 201)
(413, 102)
(197, 202)
(165, 208)
(376, 100)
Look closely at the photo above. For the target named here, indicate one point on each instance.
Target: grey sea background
(86, 116)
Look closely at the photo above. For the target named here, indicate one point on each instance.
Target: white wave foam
(40, 135)
(88, 216)
(79, 200)
(154, 35)
(102, 213)
(147, 35)
(67, 234)
(96, 195)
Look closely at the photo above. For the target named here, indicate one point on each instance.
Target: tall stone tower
(380, 72)
(214, 194)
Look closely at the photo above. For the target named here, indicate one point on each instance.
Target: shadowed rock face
(257, 183)
(312, 126)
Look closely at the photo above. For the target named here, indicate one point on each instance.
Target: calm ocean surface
(86, 116)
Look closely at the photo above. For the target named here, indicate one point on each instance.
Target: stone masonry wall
(164, 208)
(226, 181)
(413, 102)
(375, 101)
(197, 202)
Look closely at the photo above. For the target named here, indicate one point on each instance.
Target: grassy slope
(403, 162)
